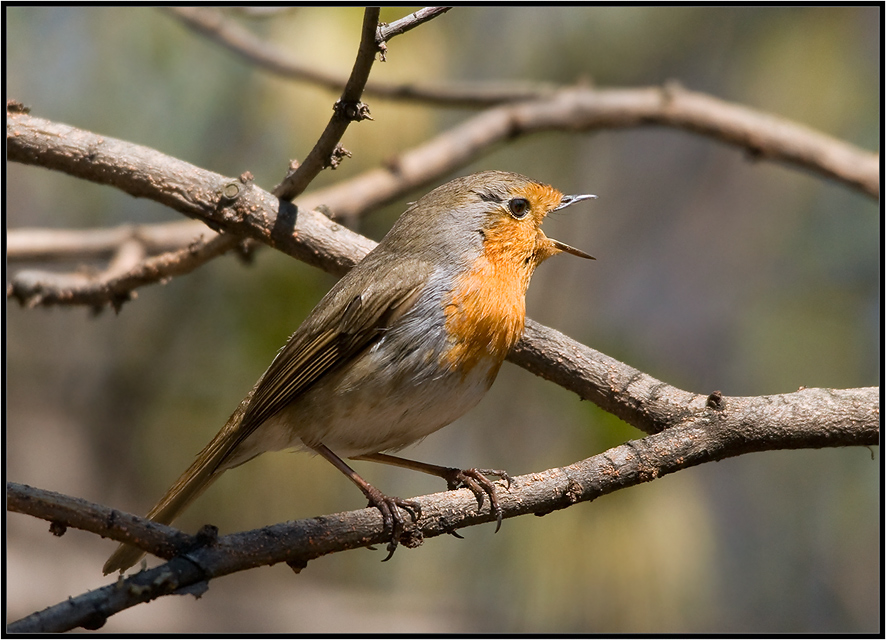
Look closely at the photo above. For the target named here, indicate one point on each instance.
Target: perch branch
(732, 427)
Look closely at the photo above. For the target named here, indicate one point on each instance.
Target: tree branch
(761, 135)
(65, 511)
(224, 204)
(386, 32)
(242, 42)
(725, 428)
(68, 245)
(327, 152)
(128, 270)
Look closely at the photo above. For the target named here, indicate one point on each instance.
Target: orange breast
(486, 309)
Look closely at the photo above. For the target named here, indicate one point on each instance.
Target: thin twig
(67, 245)
(348, 109)
(117, 284)
(386, 32)
(158, 539)
(242, 42)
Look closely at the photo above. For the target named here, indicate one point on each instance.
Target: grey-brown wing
(342, 325)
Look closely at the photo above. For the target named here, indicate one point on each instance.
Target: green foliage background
(713, 272)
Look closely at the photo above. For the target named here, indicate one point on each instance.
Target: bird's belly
(377, 403)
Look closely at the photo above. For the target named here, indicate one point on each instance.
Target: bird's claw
(480, 485)
(392, 519)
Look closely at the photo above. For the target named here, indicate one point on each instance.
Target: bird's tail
(210, 463)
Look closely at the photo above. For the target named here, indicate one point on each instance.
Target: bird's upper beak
(568, 200)
(565, 202)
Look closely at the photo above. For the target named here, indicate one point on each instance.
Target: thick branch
(734, 427)
(225, 204)
(347, 110)
(247, 211)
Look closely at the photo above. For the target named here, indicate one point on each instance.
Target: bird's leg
(388, 506)
(473, 479)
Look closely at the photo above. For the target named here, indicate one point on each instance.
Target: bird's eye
(519, 207)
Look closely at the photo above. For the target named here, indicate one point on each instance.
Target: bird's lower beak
(567, 249)
(565, 201)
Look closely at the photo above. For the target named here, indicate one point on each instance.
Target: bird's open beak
(565, 202)
(566, 248)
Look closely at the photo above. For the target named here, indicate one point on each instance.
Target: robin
(405, 343)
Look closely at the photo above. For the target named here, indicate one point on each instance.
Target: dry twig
(348, 109)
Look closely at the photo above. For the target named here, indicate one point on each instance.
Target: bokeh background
(712, 272)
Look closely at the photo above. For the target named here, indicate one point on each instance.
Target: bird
(405, 343)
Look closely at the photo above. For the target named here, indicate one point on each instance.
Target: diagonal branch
(726, 428)
(224, 204)
(244, 210)
(228, 33)
(327, 152)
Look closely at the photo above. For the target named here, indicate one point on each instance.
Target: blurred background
(712, 272)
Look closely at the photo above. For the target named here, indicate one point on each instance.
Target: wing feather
(341, 326)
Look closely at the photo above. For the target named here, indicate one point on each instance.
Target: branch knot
(352, 111)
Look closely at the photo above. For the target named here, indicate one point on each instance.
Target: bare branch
(348, 109)
(127, 271)
(385, 32)
(229, 34)
(653, 406)
(67, 245)
(731, 427)
(761, 135)
(460, 145)
(225, 204)
(589, 110)
(65, 511)
(247, 211)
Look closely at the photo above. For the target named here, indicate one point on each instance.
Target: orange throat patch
(486, 310)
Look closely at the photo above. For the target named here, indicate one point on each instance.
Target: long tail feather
(210, 463)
